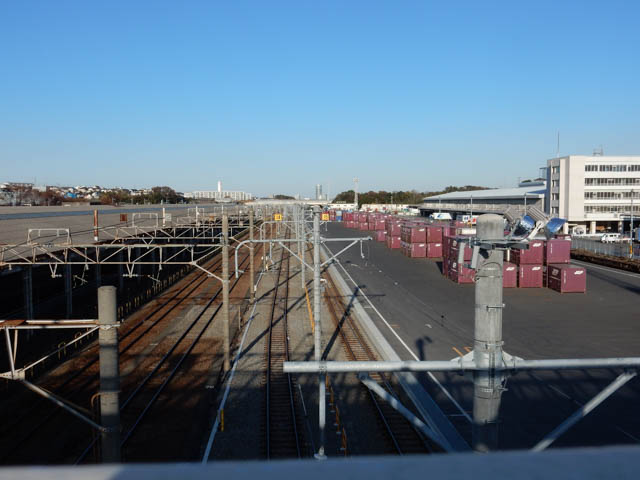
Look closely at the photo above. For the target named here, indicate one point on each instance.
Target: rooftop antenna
(558, 146)
(598, 152)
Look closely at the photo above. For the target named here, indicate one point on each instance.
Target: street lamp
(525, 202)
(631, 226)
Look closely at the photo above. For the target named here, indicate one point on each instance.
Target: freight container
(453, 250)
(530, 276)
(381, 235)
(363, 226)
(509, 275)
(393, 227)
(557, 251)
(534, 255)
(433, 234)
(393, 242)
(414, 234)
(414, 250)
(380, 224)
(460, 273)
(434, 250)
(565, 278)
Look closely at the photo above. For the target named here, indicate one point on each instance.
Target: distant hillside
(404, 197)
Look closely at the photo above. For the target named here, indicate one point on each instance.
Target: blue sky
(274, 97)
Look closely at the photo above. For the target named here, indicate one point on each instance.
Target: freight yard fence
(623, 250)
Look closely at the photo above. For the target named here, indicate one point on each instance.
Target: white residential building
(594, 192)
(219, 195)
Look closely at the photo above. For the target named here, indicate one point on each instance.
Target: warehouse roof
(518, 192)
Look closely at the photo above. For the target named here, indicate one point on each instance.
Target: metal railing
(593, 244)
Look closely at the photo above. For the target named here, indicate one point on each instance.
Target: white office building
(594, 193)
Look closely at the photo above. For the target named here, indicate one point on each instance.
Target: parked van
(441, 216)
(610, 238)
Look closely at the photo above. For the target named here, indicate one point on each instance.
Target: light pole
(525, 202)
(631, 226)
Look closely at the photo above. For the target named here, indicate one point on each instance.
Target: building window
(613, 168)
(555, 183)
(591, 168)
(555, 169)
(555, 196)
(554, 210)
(612, 181)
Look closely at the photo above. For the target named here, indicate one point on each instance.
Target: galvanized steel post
(317, 346)
(109, 374)
(487, 344)
(225, 289)
(68, 290)
(303, 246)
(252, 295)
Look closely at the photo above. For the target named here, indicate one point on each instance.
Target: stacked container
(414, 250)
(434, 241)
(530, 264)
(381, 235)
(393, 227)
(414, 240)
(393, 242)
(509, 275)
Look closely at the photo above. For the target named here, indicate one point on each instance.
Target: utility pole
(631, 226)
(317, 346)
(355, 196)
(225, 289)
(252, 295)
(487, 343)
(109, 374)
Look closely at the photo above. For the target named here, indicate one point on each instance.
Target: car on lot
(613, 238)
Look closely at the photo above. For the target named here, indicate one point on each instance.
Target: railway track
(78, 385)
(402, 437)
(282, 422)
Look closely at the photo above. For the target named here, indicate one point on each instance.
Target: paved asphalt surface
(426, 316)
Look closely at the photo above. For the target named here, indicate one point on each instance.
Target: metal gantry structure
(488, 363)
(168, 243)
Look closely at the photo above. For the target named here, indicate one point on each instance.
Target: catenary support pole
(317, 347)
(27, 285)
(225, 289)
(109, 374)
(487, 344)
(252, 288)
(68, 290)
(96, 238)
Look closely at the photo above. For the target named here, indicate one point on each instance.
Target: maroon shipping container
(393, 227)
(557, 251)
(530, 276)
(363, 226)
(434, 250)
(565, 278)
(534, 255)
(461, 274)
(380, 224)
(453, 251)
(509, 275)
(393, 241)
(434, 234)
(414, 250)
(381, 235)
(414, 234)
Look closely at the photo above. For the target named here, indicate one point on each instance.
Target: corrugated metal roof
(518, 192)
